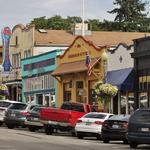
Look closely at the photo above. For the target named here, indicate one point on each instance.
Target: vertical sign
(6, 34)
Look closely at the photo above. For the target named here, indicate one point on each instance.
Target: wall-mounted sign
(6, 34)
(79, 54)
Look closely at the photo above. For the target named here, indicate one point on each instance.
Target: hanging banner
(6, 34)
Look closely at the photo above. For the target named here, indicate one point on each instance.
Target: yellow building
(74, 83)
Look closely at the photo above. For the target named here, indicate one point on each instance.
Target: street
(22, 139)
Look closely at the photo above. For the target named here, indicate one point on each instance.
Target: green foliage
(1, 97)
(130, 17)
(40, 23)
(129, 10)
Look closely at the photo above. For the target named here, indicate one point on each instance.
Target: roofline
(49, 45)
(53, 51)
(22, 27)
(88, 42)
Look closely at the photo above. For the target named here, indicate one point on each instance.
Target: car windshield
(4, 104)
(142, 116)
(18, 106)
(120, 117)
(74, 107)
(97, 116)
(36, 109)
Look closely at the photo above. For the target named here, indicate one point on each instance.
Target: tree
(40, 23)
(129, 10)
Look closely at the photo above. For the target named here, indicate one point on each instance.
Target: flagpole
(83, 18)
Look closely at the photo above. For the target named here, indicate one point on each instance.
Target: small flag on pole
(88, 63)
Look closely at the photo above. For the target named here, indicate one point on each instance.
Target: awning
(73, 67)
(123, 79)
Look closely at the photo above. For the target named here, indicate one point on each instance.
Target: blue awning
(123, 78)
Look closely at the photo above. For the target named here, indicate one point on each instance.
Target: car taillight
(79, 121)
(25, 113)
(105, 124)
(98, 122)
(125, 125)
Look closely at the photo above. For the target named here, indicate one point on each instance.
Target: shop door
(67, 91)
(67, 96)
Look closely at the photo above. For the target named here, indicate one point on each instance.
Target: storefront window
(127, 103)
(80, 92)
(123, 104)
(67, 91)
(143, 100)
(131, 103)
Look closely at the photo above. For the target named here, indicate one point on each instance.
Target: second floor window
(27, 53)
(16, 60)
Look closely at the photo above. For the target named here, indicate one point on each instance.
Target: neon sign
(6, 34)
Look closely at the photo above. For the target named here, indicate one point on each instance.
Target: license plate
(13, 115)
(145, 129)
(35, 119)
(115, 126)
(88, 123)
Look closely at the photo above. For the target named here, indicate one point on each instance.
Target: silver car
(16, 114)
(4, 104)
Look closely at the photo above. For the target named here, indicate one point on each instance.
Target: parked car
(139, 128)
(4, 104)
(16, 114)
(91, 124)
(33, 119)
(65, 117)
(115, 128)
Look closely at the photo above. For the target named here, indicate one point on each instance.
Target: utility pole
(83, 18)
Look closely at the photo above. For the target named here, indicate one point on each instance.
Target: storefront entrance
(67, 91)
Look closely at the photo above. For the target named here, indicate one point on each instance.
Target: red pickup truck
(65, 117)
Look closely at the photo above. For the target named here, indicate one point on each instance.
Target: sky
(13, 12)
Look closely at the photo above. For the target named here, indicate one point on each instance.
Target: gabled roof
(99, 38)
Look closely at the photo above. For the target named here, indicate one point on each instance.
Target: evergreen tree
(129, 10)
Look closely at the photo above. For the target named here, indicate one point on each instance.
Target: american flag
(88, 63)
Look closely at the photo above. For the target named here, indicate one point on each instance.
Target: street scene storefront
(141, 57)
(38, 86)
(75, 83)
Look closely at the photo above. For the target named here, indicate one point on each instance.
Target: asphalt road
(22, 139)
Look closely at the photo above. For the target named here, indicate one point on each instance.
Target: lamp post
(1, 69)
(104, 62)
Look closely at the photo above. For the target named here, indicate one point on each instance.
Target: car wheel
(48, 130)
(1, 124)
(133, 145)
(79, 135)
(106, 140)
(98, 137)
(125, 141)
(10, 126)
(32, 129)
(73, 134)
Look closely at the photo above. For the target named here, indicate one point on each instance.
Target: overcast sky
(13, 12)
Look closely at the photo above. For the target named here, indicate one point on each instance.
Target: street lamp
(104, 57)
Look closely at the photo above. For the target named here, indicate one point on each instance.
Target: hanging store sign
(6, 34)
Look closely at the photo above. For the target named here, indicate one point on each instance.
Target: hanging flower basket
(3, 89)
(105, 91)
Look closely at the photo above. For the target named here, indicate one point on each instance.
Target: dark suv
(139, 128)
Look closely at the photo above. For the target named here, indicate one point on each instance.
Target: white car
(91, 124)
(4, 104)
